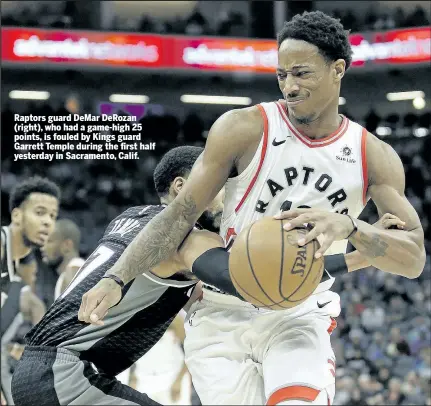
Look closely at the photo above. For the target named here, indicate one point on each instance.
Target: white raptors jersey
(290, 170)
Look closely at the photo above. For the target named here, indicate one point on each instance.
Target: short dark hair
(176, 162)
(35, 184)
(321, 30)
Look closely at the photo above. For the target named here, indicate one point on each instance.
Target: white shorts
(239, 354)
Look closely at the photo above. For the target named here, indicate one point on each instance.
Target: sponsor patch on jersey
(346, 155)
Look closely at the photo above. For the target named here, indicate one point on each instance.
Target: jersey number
(96, 259)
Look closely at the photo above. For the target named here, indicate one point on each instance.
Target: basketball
(268, 267)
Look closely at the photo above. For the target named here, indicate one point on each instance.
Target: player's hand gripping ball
(268, 267)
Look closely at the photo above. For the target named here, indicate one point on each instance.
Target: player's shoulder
(142, 211)
(236, 128)
(132, 220)
(378, 149)
(239, 119)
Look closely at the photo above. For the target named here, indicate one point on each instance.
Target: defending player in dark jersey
(33, 206)
(69, 362)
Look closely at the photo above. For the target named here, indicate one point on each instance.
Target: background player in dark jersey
(62, 252)
(62, 354)
(33, 207)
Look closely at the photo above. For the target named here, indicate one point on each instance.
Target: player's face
(211, 217)
(39, 213)
(308, 83)
(52, 250)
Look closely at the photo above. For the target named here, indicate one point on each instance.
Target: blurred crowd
(227, 22)
(382, 342)
(373, 20)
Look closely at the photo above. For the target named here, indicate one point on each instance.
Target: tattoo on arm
(158, 240)
(372, 246)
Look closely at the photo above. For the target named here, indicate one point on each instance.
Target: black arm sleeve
(212, 267)
(336, 264)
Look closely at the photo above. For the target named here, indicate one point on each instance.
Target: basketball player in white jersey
(62, 251)
(280, 156)
(33, 206)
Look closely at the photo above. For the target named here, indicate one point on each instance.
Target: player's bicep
(387, 184)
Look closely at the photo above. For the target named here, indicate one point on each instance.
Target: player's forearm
(356, 261)
(395, 251)
(158, 240)
(212, 268)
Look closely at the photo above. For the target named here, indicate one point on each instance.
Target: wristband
(355, 226)
(115, 279)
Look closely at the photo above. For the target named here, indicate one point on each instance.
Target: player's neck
(326, 124)
(19, 249)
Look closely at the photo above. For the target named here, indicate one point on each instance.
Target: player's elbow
(416, 254)
(418, 266)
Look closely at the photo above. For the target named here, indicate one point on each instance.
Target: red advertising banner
(115, 50)
(226, 54)
(82, 47)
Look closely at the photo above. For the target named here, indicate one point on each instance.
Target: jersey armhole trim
(364, 165)
(168, 282)
(262, 157)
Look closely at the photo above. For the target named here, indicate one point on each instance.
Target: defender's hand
(389, 220)
(332, 226)
(98, 300)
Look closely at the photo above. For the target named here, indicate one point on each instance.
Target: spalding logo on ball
(268, 267)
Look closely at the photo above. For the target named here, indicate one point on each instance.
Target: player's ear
(178, 184)
(339, 69)
(66, 246)
(16, 216)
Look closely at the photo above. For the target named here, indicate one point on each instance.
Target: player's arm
(354, 261)
(227, 140)
(401, 252)
(203, 253)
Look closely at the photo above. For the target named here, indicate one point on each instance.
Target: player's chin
(38, 241)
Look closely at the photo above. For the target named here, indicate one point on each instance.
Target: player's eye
(302, 73)
(281, 76)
